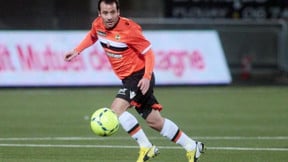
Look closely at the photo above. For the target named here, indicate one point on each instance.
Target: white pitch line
(248, 149)
(244, 138)
(66, 146)
(127, 138)
(134, 147)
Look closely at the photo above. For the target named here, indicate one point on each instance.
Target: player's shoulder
(97, 21)
(129, 23)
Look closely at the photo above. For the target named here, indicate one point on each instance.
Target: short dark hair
(109, 2)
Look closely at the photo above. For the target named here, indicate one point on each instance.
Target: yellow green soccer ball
(104, 122)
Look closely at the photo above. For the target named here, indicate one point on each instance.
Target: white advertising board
(36, 58)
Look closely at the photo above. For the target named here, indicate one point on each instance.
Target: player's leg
(132, 127)
(169, 129)
(129, 122)
(127, 96)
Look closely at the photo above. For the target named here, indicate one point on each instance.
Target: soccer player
(132, 60)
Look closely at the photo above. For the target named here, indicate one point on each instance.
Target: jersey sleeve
(138, 41)
(149, 64)
(89, 39)
(143, 46)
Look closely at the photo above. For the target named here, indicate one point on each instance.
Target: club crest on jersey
(117, 37)
(101, 33)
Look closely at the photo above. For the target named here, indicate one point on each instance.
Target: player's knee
(155, 125)
(155, 120)
(119, 106)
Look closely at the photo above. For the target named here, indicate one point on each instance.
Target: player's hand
(144, 85)
(70, 55)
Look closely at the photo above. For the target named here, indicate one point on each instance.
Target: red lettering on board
(46, 60)
(178, 61)
(196, 60)
(98, 60)
(6, 63)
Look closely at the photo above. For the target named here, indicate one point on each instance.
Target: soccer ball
(104, 122)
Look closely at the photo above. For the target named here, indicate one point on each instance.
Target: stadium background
(238, 23)
(237, 122)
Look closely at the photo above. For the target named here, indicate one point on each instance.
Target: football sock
(131, 125)
(173, 133)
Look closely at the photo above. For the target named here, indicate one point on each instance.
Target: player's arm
(86, 42)
(144, 83)
(143, 46)
(149, 64)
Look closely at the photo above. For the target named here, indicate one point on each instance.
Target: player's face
(109, 14)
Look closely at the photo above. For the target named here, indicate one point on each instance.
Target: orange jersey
(125, 46)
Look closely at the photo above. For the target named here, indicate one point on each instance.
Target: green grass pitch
(237, 124)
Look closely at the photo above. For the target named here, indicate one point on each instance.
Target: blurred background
(253, 33)
(240, 45)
